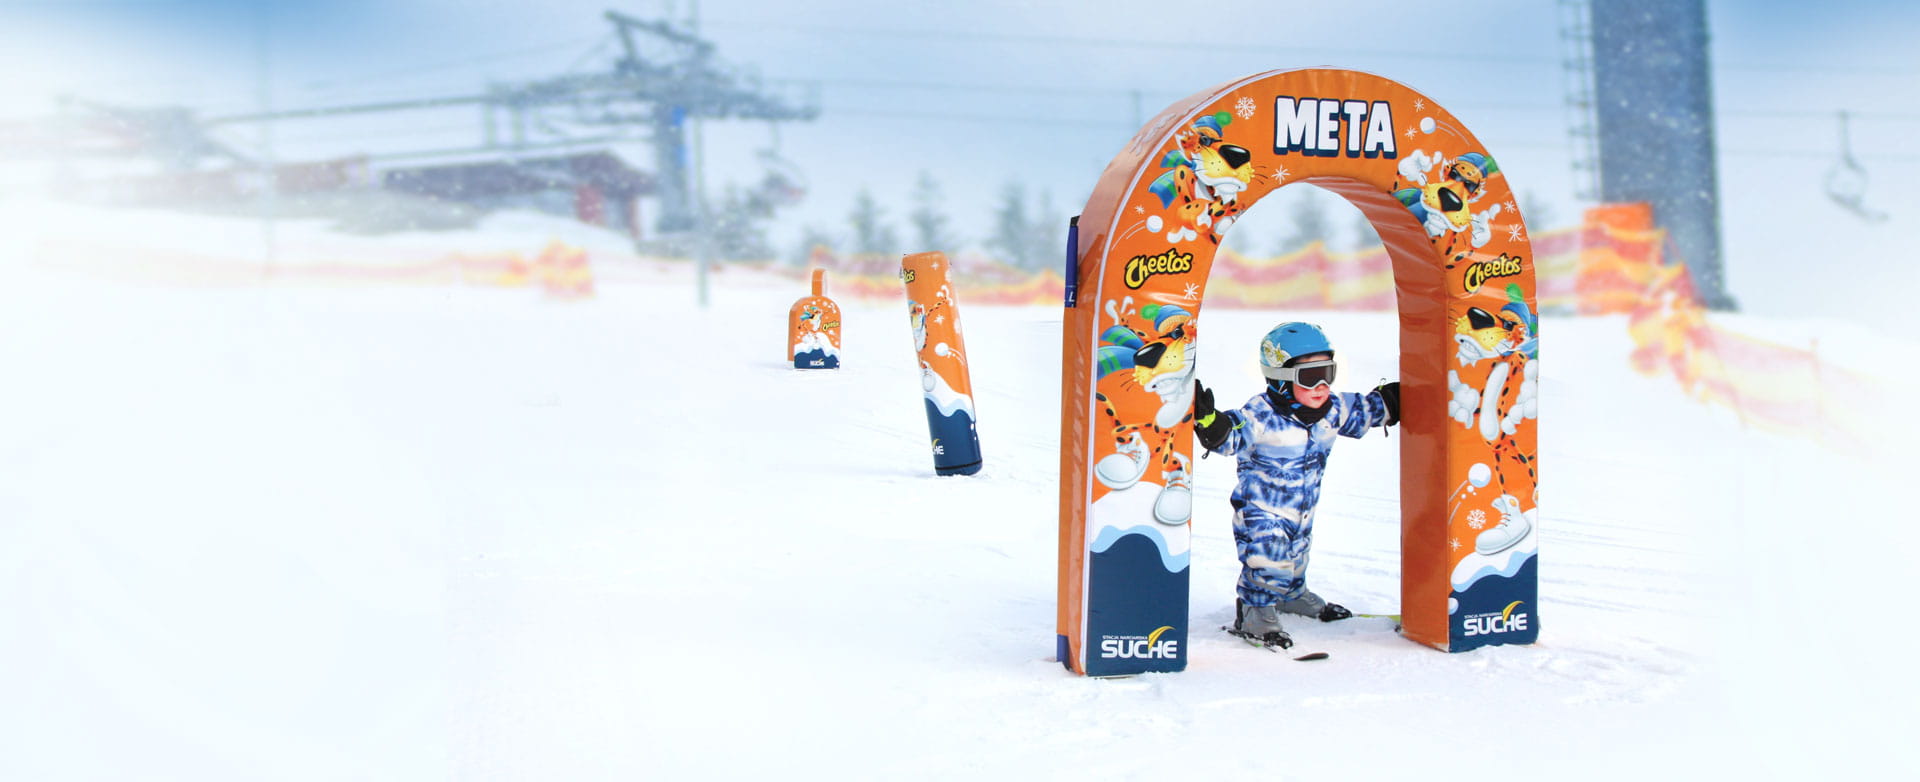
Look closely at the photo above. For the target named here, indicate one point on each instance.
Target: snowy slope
(288, 533)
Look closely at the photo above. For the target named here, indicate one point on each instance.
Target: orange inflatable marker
(935, 318)
(813, 329)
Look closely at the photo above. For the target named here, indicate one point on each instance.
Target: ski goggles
(1307, 374)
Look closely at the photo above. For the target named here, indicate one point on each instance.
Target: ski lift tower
(1653, 101)
(678, 78)
(1576, 38)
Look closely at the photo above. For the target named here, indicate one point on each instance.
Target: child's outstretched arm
(1379, 407)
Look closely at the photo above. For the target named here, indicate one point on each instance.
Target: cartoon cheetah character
(1444, 206)
(1155, 347)
(1205, 179)
(1510, 397)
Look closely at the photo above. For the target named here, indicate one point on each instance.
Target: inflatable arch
(1138, 258)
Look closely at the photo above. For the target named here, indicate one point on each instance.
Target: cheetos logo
(1481, 271)
(1141, 268)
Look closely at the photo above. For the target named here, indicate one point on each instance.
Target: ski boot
(1310, 604)
(1259, 625)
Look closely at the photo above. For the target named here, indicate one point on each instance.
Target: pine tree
(1046, 235)
(1242, 240)
(1538, 214)
(871, 234)
(811, 237)
(929, 222)
(1309, 224)
(1365, 236)
(737, 234)
(1012, 229)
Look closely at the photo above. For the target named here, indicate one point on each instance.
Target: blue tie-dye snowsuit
(1281, 461)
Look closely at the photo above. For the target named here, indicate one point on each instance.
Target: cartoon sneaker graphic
(1512, 527)
(1175, 503)
(1125, 465)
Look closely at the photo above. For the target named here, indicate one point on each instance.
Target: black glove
(1390, 393)
(1202, 401)
(1208, 423)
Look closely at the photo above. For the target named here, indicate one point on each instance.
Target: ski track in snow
(360, 533)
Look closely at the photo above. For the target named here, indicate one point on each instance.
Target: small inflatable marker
(813, 329)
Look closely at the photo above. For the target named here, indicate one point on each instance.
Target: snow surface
(282, 532)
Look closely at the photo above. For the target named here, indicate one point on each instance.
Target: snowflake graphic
(1193, 290)
(1419, 104)
(1280, 174)
(1139, 210)
(1509, 205)
(1455, 543)
(1514, 232)
(1409, 132)
(1476, 519)
(1244, 108)
(942, 319)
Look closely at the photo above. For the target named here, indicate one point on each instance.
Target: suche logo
(1505, 621)
(938, 449)
(1138, 647)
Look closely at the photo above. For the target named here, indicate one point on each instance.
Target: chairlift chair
(1847, 181)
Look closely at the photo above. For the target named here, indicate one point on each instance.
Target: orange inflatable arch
(1138, 259)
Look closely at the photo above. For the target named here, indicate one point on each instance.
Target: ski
(1258, 645)
(1394, 617)
(1285, 642)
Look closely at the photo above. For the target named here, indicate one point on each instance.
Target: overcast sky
(980, 94)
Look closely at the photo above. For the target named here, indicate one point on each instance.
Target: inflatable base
(964, 469)
(816, 359)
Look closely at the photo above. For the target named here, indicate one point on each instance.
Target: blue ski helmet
(1288, 341)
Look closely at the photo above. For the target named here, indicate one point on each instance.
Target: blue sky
(981, 94)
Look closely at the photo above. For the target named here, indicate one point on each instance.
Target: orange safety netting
(1312, 278)
(1614, 263)
(559, 269)
(1770, 386)
(562, 270)
(979, 280)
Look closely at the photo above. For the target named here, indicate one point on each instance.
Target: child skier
(1282, 438)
